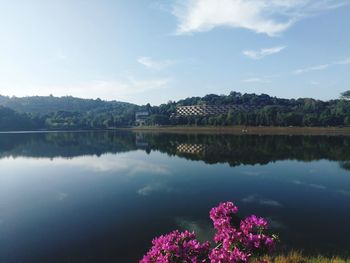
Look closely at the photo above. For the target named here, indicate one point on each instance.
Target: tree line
(264, 111)
(69, 113)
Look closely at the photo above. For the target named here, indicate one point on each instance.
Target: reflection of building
(215, 151)
(191, 148)
(207, 110)
(141, 141)
(141, 117)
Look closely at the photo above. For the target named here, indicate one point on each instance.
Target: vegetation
(236, 241)
(66, 113)
(264, 111)
(345, 95)
(297, 257)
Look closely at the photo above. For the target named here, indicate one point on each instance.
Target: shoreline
(236, 130)
(245, 130)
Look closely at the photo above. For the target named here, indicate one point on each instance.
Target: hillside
(264, 110)
(47, 104)
(51, 112)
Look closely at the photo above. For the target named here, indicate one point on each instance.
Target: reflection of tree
(345, 165)
(210, 148)
(65, 144)
(252, 149)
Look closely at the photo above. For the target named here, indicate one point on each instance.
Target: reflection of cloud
(203, 229)
(274, 223)
(146, 167)
(154, 187)
(61, 196)
(322, 187)
(317, 186)
(262, 201)
(105, 163)
(251, 173)
(343, 192)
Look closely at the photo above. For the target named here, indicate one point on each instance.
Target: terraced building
(208, 110)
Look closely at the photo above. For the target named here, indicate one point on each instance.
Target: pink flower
(234, 245)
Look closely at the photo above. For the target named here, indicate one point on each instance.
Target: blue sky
(153, 51)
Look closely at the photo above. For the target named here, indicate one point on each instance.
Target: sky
(153, 51)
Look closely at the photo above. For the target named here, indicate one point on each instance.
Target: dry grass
(245, 130)
(296, 257)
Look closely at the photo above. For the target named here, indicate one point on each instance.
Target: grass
(246, 130)
(297, 257)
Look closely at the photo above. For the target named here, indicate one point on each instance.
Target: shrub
(234, 242)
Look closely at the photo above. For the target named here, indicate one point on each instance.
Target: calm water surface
(103, 196)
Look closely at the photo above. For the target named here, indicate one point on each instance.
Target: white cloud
(61, 56)
(104, 89)
(150, 63)
(269, 17)
(314, 83)
(309, 69)
(258, 54)
(255, 80)
(342, 62)
(322, 66)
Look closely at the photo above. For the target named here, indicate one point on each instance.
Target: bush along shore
(298, 257)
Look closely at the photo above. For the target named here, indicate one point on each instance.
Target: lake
(103, 196)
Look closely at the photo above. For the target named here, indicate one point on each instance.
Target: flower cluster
(238, 244)
(177, 247)
(235, 243)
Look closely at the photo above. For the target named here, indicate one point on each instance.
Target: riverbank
(296, 257)
(246, 130)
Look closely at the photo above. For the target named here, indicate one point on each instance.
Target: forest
(69, 113)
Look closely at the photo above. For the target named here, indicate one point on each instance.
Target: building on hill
(141, 118)
(208, 110)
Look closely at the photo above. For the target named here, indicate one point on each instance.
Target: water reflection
(102, 196)
(232, 149)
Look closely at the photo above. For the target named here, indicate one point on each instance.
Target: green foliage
(345, 95)
(263, 110)
(257, 110)
(12, 120)
(64, 113)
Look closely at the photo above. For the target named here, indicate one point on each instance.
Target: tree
(345, 95)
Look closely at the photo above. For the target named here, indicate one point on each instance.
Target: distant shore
(246, 130)
(336, 131)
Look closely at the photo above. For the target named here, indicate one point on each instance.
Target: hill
(263, 110)
(47, 104)
(51, 112)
